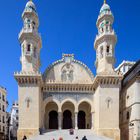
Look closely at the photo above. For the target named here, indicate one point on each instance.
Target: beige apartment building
(3, 113)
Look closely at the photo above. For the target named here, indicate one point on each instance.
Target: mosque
(67, 95)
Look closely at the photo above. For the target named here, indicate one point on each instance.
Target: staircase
(56, 134)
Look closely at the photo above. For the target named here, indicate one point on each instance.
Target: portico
(68, 114)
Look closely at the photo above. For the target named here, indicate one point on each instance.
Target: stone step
(56, 134)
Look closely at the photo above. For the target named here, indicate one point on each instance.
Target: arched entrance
(84, 115)
(68, 109)
(51, 116)
(53, 120)
(67, 119)
(82, 120)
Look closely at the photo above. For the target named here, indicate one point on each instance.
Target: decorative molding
(68, 88)
(107, 80)
(60, 96)
(28, 77)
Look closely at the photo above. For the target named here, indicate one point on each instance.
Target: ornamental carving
(62, 96)
(67, 73)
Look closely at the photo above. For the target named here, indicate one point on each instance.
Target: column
(76, 120)
(92, 120)
(59, 120)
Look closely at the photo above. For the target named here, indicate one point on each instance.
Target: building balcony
(30, 31)
(105, 33)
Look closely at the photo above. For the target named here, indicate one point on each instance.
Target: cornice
(28, 77)
(107, 80)
(57, 87)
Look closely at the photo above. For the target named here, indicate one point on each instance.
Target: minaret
(105, 41)
(30, 39)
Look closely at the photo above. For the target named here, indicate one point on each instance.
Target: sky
(66, 26)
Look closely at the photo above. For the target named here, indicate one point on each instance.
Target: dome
(30, 6)
(105, 7)
(68, 70)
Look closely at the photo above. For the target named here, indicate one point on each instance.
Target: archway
(53, 120)
(51, 116)
(82, 120)
(67, 119)
(84, 115)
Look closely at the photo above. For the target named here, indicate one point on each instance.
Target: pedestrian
(77, 138)
(84, 138)
(40, 131)
(24, 138)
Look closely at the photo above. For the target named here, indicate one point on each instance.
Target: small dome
(105, 7)
(30, 6)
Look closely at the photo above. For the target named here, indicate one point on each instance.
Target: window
(3, 108)
(28, 20)
(3, 98)
(16, 118)
(29, 48)
(29, 26)
(107, 28)
(127, 116)
(108, 49)
(102, 29)
(3, 129)
(33, 23)
(107, 22)
(16, 111)
(3, 119)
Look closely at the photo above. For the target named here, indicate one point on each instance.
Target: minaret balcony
(104, 14)
(24, 32)
(107, 35)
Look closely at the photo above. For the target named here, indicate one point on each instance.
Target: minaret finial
(104, 1)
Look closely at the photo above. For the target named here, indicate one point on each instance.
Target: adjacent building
(3, 113)
(13, 121)
(124, 67)
(130, 104)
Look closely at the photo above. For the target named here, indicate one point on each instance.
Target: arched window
(28, 20)
(127, 115)
(102, 29)
(108, 49)
(33, 23)
(28, 47)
